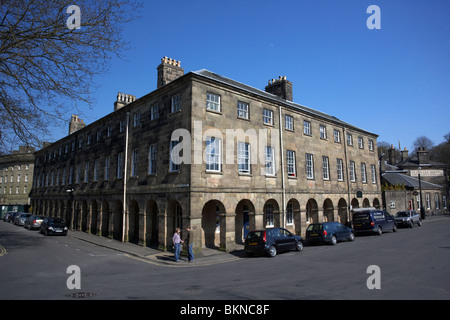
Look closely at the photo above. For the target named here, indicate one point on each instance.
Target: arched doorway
(293, 218)
(328, 211)
(151, 223)
(133, 227)
(105, 219)
(342, 211)
(174, 220)
(376, 203)
(211, 219)
(355, 203)
(244, 220)
(366, 203)
(118, 220)
(94, 217)
(312, 212)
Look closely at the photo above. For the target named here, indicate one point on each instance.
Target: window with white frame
(427, 199)
(267, 116)
(212, 102)
(444, 201)
(107, 166)
(152, 154)
(86, 172)
(270, 161)
(120, 165)
(371, 147)
(374, 173)
(307, 127)
(323, 132)
(361, 142)
(363, 173)
(154, 112)
(244, 157)
(174, 157)
(290, 213)
(340, 169)
(134, 162)
(349, 139)
(136, 119)
(352, 171)
(309, 166)
(325, 168)
(213, 154)
(290, 158)
(288, 122)
(242, 110)
(176, 103)
(436, 200)
(96, 168)
(269, 215)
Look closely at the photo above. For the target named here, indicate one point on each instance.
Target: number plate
(252, 243)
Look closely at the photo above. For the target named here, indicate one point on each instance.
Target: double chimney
(280, 87)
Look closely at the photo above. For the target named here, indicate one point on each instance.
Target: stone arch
(355, 203)
(293, 207)
(271, 216)
(105, 219)
(94, 217)
(366, 203)
(328, 210)
(174, 219)
(211, 223)
(151, 223)
(312, 211)
(117, 220)
(244, 220)
(376, 203)
(342, 211)
(133, 222)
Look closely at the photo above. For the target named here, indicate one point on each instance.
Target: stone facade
(251, 159)
(16, 178)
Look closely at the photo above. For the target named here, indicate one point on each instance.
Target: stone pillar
(227, 232)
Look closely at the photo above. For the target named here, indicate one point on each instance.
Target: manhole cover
(81, 295)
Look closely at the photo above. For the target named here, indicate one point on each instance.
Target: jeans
(177, 251)
(190, 253)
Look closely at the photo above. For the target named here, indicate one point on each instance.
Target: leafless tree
(47, 66)
(422, 142)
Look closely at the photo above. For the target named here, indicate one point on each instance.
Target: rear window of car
(363, 216)
(255, 234)
(314, 227)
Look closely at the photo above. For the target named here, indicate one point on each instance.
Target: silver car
(19, 219)
(34, 222)
(407, 218)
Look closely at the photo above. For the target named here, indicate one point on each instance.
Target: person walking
(190, 243)
(177, 243)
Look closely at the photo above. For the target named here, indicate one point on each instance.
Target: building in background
(16, 180)
(210, 152)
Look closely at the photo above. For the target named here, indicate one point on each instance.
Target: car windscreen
(402, 214)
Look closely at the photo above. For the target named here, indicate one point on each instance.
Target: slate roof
(395, 178)
(219, 78)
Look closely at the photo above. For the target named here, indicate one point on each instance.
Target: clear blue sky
(394, 82)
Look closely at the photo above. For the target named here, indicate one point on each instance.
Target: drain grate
(81, 295)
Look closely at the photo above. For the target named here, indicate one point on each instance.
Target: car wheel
(299, 246)
(394, 229)
(272, 251)
(333, 240)
(351, 237)
(46, 232)
(411, 224)
(419, 223)
(379, 231)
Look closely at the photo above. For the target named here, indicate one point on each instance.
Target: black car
(375, 221)
(270, 241)
(328, 232)
(53, 226)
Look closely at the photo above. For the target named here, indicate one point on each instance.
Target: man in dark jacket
(189, 241)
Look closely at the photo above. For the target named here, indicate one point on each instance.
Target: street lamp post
(422, 209)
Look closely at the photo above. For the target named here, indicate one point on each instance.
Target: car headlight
(50, 228)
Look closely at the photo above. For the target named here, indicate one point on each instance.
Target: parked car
(53, 226)
(328, 232)
(270, 241)
(408, 218)
(7, 216)
(368, 220)
(34, 222)
(19, 219)
(11, 216)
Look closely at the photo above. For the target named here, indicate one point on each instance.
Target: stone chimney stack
(168, 70)
(422, 156)
(404, 154)
(122, 100)
(280, 87)
(391, 155)
(76, 124)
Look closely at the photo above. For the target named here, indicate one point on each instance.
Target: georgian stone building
(16, 179)
(210, 152)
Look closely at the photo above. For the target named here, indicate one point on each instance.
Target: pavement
(208, 256)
